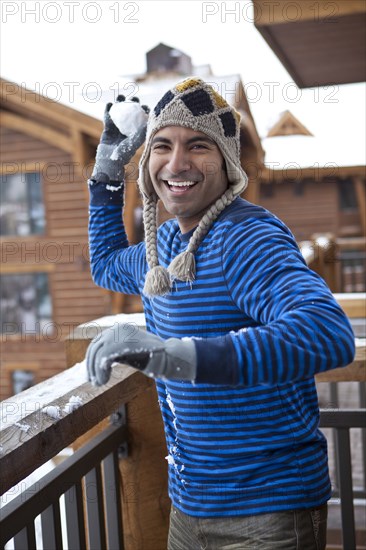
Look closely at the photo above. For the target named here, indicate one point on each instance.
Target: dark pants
(298, 530)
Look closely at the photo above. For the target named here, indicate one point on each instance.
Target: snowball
(128, 116)
(74, 403)
(24, 427)
(53, 411)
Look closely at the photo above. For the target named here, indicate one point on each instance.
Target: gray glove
(115, 149)
(171, 359)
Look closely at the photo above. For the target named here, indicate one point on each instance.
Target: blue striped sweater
(244, 438)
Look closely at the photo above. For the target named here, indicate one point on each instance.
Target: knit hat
(193, 104)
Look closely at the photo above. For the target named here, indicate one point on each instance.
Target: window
(347, 195)
(353, 270)
(22, 209)
(22, 380)
(25, 303)
(267, 190)
(298, 188)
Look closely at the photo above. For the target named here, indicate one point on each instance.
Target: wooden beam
(27, 267)
(249, 131)
(145, 501)
(282, 11)
(80, 151)
(324, 262)
(31, 437)
(316, 173)
(352, 303)
(16, 97)
(5, 168)
(22, 364)
(36, 130)
(118, 301)
(355, 372)
(351, 243)
(360, 189)
(251, 193)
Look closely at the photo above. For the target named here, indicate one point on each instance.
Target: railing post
(362, 392)
(75, 519)
(325, 261)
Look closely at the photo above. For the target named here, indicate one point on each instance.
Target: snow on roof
(310, 151)
(149, 91)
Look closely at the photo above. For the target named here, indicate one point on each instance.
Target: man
(237, 327)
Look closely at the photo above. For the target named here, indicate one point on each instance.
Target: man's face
(187, 171)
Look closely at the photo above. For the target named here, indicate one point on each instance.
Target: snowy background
(72, 51)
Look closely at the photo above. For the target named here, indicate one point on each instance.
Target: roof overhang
(281, 175)
(319, 43)
(17, 101)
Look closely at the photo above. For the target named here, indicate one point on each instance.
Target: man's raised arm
(115, 265)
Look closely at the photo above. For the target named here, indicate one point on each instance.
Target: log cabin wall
(311, 206)
(306, 207)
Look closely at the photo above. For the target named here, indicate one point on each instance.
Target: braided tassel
(183, 267)
(157, 282)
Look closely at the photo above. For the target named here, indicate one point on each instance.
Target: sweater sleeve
(298, 328)
(115, 264)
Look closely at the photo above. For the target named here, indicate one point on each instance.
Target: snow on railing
(44, 419)
(39, 422)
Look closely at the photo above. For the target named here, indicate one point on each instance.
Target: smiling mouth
(179, 186)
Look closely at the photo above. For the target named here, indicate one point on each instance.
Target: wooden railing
(88, 483)
(67, 411)
(340, 261)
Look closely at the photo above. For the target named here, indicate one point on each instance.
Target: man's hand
(171, 359)
(116, 149)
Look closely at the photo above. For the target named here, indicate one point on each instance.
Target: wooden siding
(62, 252)
(313, 211)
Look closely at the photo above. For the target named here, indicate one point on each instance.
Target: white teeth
(181, 183)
